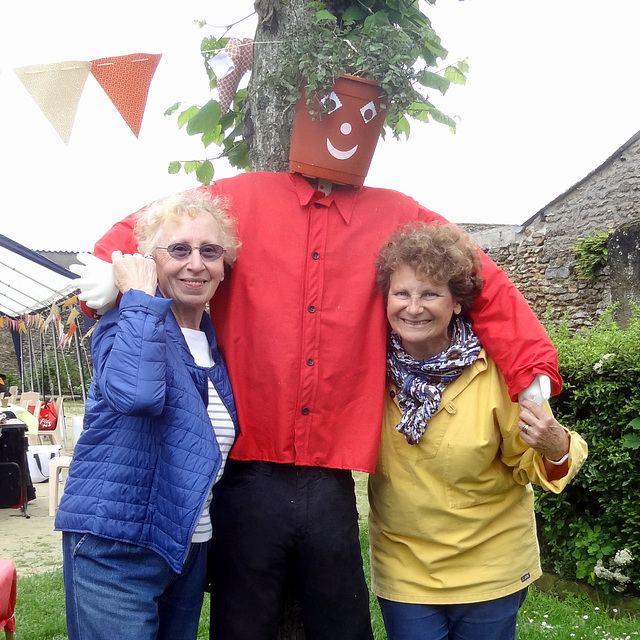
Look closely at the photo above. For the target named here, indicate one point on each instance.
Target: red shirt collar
(342, 196)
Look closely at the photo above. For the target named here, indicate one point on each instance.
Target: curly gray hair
(172, 208)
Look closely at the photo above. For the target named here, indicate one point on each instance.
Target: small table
(13, 464)
(22, 414)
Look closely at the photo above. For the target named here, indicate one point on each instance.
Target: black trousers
(273, 523)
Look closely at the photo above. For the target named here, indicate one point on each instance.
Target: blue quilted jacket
(147, 457)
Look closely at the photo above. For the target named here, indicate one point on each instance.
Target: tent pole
(42, 362)
(21, 364)
(32, 360)
(80, 367)
(55, 357)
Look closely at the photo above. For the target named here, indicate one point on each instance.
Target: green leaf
(631, 441)
(432, 42)
(635, 424)
(204, 172)
(213, 136)
(325, 15)
(420, 111)
(185, 116)
(175, 166)
(213, 44)
(433, 80)
(453, 74)
(403, 126)
(378, 19)
(353, 14)
(438, 116)
(172, 109)
(239, 155)
(206, 119)
(191, 166)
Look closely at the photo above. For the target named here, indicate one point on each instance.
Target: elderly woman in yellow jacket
(451, 524)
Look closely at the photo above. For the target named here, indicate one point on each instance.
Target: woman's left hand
(134, 272)
(542, 432)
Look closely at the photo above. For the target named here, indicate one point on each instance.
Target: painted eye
(369, 112)
(331, 102)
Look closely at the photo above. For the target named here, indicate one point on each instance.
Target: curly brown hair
(438, 251)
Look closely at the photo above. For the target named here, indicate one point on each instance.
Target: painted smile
(340, 155)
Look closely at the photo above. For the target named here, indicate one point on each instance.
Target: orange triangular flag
(56, 88)
(126, 80)
(72, 329)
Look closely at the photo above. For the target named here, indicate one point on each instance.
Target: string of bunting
(39, 322)
(57, 87)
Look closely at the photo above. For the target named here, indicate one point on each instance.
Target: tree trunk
(268, 133)
(267, 128)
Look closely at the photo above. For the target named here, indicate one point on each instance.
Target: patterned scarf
(422, 382)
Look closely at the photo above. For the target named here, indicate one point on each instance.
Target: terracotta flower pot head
(339, 147)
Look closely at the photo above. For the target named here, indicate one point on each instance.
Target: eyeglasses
(182, 250)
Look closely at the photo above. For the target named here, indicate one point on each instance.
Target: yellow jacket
(451, 518)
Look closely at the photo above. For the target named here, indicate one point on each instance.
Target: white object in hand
(538, 391)
(96, 283)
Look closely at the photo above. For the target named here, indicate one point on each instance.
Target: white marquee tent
(29, 282)
(29, 285)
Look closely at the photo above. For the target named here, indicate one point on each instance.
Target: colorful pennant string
(39, 322)
(57, 87)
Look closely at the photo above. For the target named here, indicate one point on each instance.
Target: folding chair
(30, 400)
(8, 590)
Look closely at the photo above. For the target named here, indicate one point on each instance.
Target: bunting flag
(54, 313)
(126, 80)
(56, 88)
(39, 322)
(73, 315)
(229, 66)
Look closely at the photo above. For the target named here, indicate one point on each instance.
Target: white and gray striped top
(220, 420)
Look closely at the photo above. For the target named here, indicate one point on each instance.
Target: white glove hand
(96, 282)
(538, 391)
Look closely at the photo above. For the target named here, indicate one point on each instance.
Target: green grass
(40, 607)
(571, 617)
(40, 614)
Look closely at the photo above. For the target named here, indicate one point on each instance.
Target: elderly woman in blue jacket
(159, 422)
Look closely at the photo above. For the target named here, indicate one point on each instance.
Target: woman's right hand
(134, 272)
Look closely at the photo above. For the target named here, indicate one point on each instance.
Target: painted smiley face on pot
(346, 128)
(338, 146)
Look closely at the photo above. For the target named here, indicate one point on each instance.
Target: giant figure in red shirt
(303, 331)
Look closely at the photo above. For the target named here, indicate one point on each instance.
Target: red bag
(48, 418)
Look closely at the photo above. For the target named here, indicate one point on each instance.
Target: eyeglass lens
(182, 250)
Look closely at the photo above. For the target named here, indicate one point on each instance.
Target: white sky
(552, 92)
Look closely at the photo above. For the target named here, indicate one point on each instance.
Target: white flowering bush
(613, 572)
(590, 531)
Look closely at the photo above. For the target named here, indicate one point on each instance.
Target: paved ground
(31, 543)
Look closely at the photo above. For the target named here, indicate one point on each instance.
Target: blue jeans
(119, 590)
(491, 620)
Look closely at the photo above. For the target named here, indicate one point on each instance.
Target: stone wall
(537, 255)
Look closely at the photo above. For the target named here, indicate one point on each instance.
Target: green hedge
(585, 530)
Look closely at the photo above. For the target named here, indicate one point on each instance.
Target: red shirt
(303, 328)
